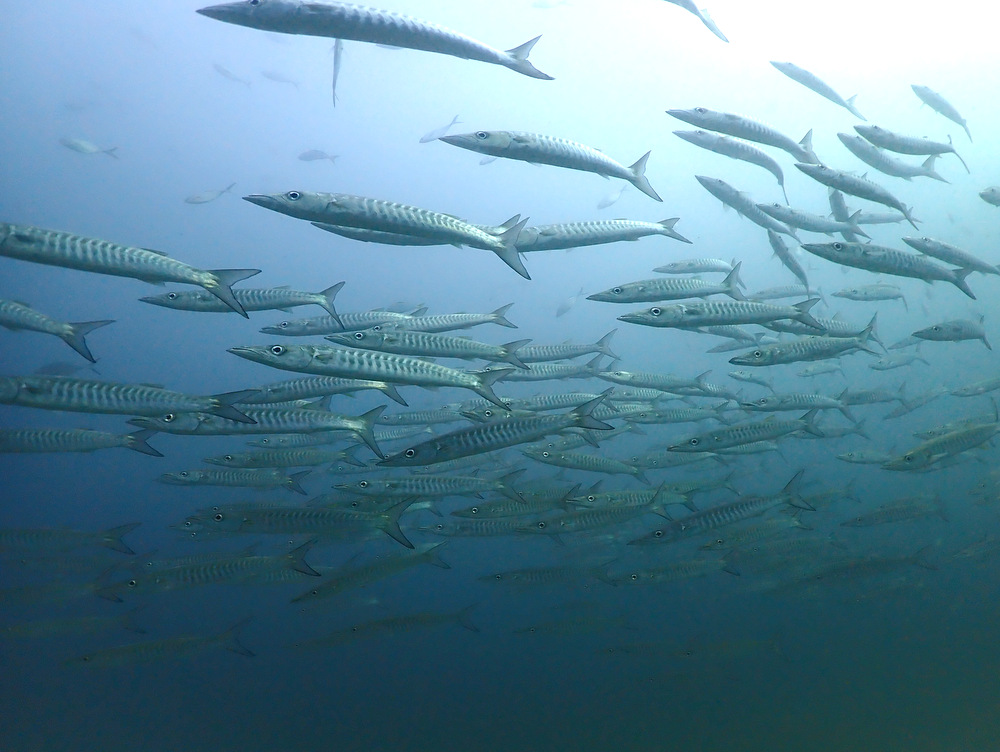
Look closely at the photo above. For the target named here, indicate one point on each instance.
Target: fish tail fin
(329, 295)
(136, 441)
(431, 556)
(638, 179)
(859, 429)
(221, 286)
(292, 482)
(793, 491)
(810, 423)
(499, 316)
(517, 60)
(638, 474)
(297, 558)
(733, 282)
(509, 253)
(603, 345)
(390, 391)
(484, 384)
(505, 484)
(669, 231)
(112, 538)
(582, 417)
(366, 430)
(853, 222)
(871, 331)
(960, 283)
(78, 331)
(805, 317)
(854, 110)
(462, 617)
(223, 406)
(929, 170)
(510, 353)
(807, 146)
(111, 152)
(231, 642)
(390, 521)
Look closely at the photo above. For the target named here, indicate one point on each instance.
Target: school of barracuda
(693, 506)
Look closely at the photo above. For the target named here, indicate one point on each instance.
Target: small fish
(338, 51)
(279, 78)
(86, 147)
(314, 155)
(813, 82)
(940, 105)
(437, 133)
(228, 74)
(954, 330)
(991, 195)
(902, 144)
(208, 196)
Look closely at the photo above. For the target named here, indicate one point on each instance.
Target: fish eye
(757, 354)
(168, 418)
(172, 295)
(655, 311)
(936, 328)
(838, 246)
(694, 442)
(498, 576)
(762, 401)
(616, 290)
(482, 135)
(541, 525)
(409, 453)
(700, 110)
(363, 484)
(439, 527)
(633, 577)
(131, 583)
(657, 533)
(183, 473)
(908, 457)
(358, 335)
(719, 541)
(545, 454)
(277, 350)
(591, 497)
(253, 2)
(293, 195)
(283, 325)
(218, 517)
(228, 458)
(474, 510)
(488, 413)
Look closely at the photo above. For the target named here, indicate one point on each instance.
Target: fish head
(694, 116)
(756, 357)
(172, 299)
(183, 478)
(366, 338)
(657, 315)
(421, 454)
(288, 328)
(256, 14)
(619, 293)
(364, 486)
(288, 357)
(485, 142)
(228, 460)
(171, 422)
(298, 204)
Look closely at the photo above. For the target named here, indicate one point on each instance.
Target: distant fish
(228, 74)
(876, 157)
(208, 196)
(314, 155)
(735, 149)
(611, 198)
(346, 21)
(991, 195)
(338, 50)
(955, 330)
(18, 316)
(940, 105)
(86, 147)
(568, 304)
(749, 129)
(906, 144)
(813, 82)
(279, 78)
(702, 15)
(437, 133)
(37, 440)
(561, 152)
(856, 186)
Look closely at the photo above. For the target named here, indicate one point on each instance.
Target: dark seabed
(853, 611)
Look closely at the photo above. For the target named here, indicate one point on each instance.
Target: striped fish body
(784, 253)
(560, 152)
(695, 266)
(487, 437)
(855, 186)
(877, 258)
(363, 24)
(420, 417)
(875, 157)
(747, 129)
(950, 254)
(903, 144)
(795, 401)
(281, 458)
(954, 330)
(318, 386)
(549, 371)
(92, 396)
(713, 312)
(252, 299)
(263, 478)
(871, 293)
(802, 349)
(940, 105)
(734, 149)
(542, 353)
(663, 382)
(898, 511)
(328, 324)
(18, 316)
(940, 447)
(62, 539)
(447, 322)
(815, 83)
(36, 440)
(807, 221)
(583, 520)
(432, 485)
(742, 204)
(598, 232)
(581, 461)
(745, 433)
(425, 344)
(69, 251)
(669, 288)
(369, 364)
(677, 571)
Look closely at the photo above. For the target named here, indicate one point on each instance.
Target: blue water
(902, 660)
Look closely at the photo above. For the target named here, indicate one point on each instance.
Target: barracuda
(290, 457)
(950, 254)
(875, 157)
(597, 232)
(329, 325)
(487, 437)
(362, 24)
(669, 288)
(784, 254)
(319, 386)
(747, 129)
(430, 345)
(69, 251)
(539, 149)
(590, 462)
(434, 485)
(266, 420)
(742, 204)
(715, 312)
(905, 144)
(92, 396)
(940, 105)
(263, 478)
(855, 186)
(804, 349)
(36, 440)
(447, 322)
(746, 433)
(877, 258)
(811, 222)
(20, 317)
(387, 216)
(735, 149)
(254, 299)
(815, 83)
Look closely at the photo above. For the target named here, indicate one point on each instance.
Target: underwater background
(897, 658)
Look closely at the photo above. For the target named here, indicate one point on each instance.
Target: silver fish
(991, 195)
(813, 82)
(580, 234)
(747, 129)
(940, 105)
(86, 147)
(743, 204)
(33, 440)
(955, 330)
(251, 299)
(950, 254)
(19, 316)
(711, 312)
(877, 158)
(735, 149)
(208, 196)
(856, 186)
(906, 144)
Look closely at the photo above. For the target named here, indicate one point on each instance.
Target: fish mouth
(460, 139)
(260, 199)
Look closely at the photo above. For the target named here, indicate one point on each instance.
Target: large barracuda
(387, 216)
(158, 650)
(715, 312)
(328, 324)
(877, 158)
(369, 364)
(91, 396)
(264, 478)
(38, 440)
(430, 345)
(18, 316)
(747, 129)
(362, 24)
(702, 15)
(724, 437)
(598, 232)
(449, 322)
(311, 387)
(742, 203)
(258, 299)
(561, 152)
(57, 248)
(670, 288)
(735, 149)
(815, 83)
(433, 485)
(940, 105)
(855, 186)
(901, 144)
(266, 420)
(950, 254)
(877, 258)
(811, 222)
(542, 353)
(942, 447)
(499, 434)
